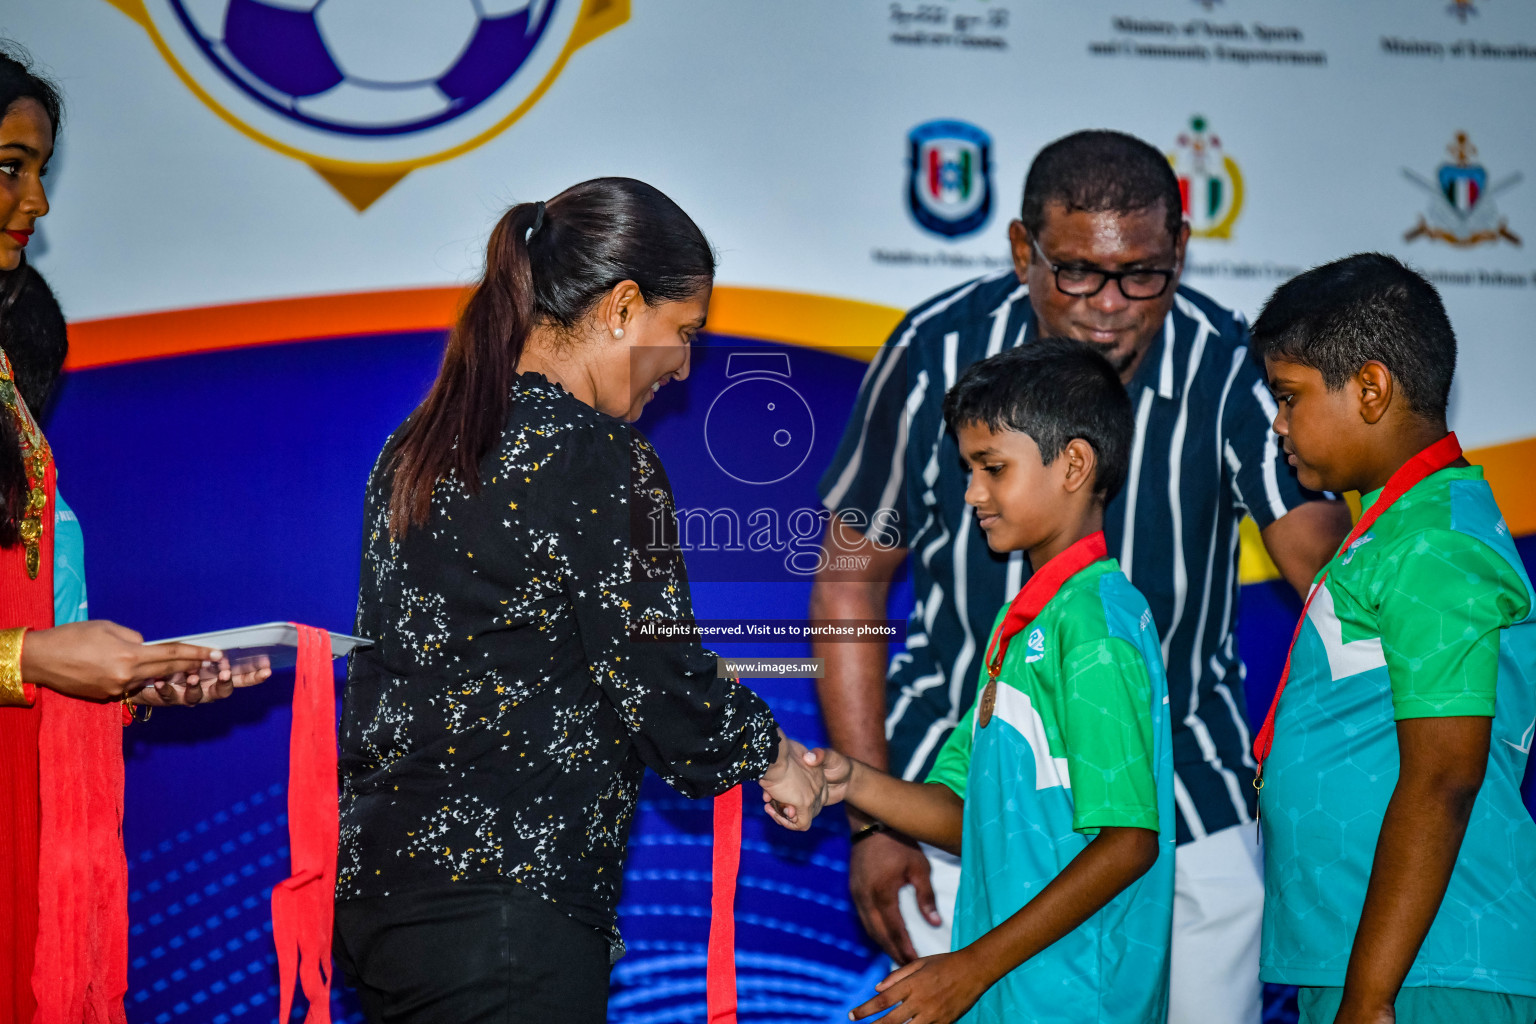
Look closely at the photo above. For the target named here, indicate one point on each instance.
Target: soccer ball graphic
(367, 67)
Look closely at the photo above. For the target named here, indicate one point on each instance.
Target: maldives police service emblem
(1210, 183)
(365, 91)
(949, 181)
(1461, 209)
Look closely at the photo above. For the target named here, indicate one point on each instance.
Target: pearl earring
(619, 333)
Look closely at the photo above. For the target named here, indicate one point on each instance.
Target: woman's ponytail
(545, 264)
(462, 415)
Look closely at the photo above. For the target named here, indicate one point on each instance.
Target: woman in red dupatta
(64, 692)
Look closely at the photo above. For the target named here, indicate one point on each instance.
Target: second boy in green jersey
(1057, 787)
(1400, 860)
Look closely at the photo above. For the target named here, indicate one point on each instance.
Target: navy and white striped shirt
(1204, 456)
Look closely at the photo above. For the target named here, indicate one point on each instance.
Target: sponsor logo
(1355, 545)
(1146, 620)
(1036, 644)
(1524, 746)
(365, 91)
(949, 181)
(1210, 182)
(1461, 209)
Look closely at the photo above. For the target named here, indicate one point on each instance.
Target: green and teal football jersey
(1428, 614)
(1079, 740)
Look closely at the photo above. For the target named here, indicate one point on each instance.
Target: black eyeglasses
(1082, 282)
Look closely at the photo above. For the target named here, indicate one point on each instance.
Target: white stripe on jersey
(1192, 717)
(1181, 573)
(891, 356)
(1000, 317)
(1277, 507)
(908, 692)
(1187, 809)
(1238, 717)
(1133, 485)
(1015, 580)
(893, 485)
(1175, 476)
(1165, 371)
(961, 669)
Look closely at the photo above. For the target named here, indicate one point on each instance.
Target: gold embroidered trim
(35, 455)
(12, 693)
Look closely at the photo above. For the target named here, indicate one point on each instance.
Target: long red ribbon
(720, 969)
(1431, 460)
(1037, 593)
(81, 968)
(303, 905)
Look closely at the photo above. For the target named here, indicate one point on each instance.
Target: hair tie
(538, 221)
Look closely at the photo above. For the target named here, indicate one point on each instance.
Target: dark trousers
(471, 954)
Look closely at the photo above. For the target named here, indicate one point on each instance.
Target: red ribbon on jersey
(1431, 460)
(1037, 593)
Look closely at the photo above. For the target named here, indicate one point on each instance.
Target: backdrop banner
(265, 212)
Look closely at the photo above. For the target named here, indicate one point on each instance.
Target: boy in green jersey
(1400, 861)
(1057, 786)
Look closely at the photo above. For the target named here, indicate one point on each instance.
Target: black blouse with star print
(500, 726)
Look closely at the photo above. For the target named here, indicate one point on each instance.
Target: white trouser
(1218, 910)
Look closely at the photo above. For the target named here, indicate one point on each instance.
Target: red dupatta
(64, 890)
(64, 894)
(24, 601)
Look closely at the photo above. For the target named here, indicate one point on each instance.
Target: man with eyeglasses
(1097, 251)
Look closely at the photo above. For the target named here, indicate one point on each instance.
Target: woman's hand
(213, 683)
(102, 661)
(793, 790)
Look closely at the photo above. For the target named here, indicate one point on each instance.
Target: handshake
(801, 782)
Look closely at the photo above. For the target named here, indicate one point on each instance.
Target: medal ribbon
(303, 905)
(1037, 593)
(720, 964)
(1431, 460)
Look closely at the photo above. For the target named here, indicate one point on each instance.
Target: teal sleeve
(69, 597)
(1449, 597)
(1107, 695)
(953, 765)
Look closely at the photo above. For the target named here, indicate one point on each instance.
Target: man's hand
(934, 990)
(879, 866)
(102, 661)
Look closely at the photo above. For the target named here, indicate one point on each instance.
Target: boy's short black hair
(33, 334)
(1054, 390)
(1341, 315)
(1101, 171)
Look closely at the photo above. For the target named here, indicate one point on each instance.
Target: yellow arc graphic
(362, 183)
(1223, 227)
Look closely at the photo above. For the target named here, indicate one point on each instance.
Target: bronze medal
(988, 703)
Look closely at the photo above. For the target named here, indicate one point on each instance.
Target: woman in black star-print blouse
(494, 739)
